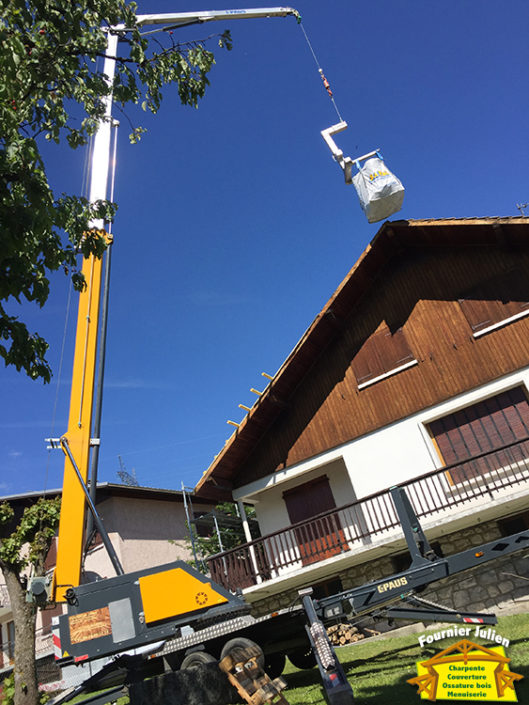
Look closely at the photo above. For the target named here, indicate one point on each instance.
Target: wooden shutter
(382, 352)
(321, 538)
(482, 428)
(496, 300)
(308, 500)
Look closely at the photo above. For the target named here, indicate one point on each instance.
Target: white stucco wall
(271, 509)
(389, 456)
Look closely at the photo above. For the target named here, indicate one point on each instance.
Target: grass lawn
(378, 670)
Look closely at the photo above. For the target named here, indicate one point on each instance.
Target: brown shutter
(321, 538)
(482, 428)
(309, 500)
(364, 365)
(495, 300)
(479, 314)
(382, 352)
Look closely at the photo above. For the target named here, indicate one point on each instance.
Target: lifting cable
(326, 83)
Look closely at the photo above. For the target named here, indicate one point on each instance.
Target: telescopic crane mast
(77, 442)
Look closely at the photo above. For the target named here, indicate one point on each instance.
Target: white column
(248, 535)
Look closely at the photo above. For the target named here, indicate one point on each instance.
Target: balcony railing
(340, 530)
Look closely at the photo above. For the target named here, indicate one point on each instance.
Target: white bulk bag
(380, 192)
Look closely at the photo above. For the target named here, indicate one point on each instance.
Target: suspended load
(380, 192)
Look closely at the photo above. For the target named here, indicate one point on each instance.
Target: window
(10, 646)
(321, 538)
(483, 428)
(382, 354)
(496, 301)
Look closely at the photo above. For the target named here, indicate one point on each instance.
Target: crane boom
(67, 571)
(182, 18)
(77, 440)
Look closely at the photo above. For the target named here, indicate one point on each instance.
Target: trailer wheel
(302, 659)
(241, 643)
(274, 665)
(197, 658)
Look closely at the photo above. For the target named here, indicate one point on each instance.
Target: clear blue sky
(235, 226)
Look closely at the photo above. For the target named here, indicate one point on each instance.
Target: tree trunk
(25, 669)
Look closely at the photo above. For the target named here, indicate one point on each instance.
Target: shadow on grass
(383, 678)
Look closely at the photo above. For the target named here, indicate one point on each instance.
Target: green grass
(378, 670)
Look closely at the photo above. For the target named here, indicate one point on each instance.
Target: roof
(392, 239)
(106, 490)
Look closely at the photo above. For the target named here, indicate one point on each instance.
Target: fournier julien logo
(467, 671)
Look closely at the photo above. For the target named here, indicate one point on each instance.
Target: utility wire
(320, 71)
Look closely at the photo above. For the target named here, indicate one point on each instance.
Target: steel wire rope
(320, 71)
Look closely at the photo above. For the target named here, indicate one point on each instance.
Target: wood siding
(419, 292)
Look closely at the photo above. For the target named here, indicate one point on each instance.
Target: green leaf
(49, 78)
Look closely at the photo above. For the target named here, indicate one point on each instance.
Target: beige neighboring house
(147, 527)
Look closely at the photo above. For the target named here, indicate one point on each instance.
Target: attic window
(496, 302)
(383, 354)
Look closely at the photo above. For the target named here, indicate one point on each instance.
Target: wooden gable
(394, 339)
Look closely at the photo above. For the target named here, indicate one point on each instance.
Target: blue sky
(234, 224)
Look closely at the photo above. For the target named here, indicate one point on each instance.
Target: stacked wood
(340, 634)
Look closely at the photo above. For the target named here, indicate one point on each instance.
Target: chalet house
(147, 527)
(415, 373)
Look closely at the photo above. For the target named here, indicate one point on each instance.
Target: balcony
(435, 497)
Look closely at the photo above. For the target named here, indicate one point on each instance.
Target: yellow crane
(136, 609)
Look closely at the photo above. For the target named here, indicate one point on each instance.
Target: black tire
(241, 643)
(274, 665)
(195, 659)
(302, 659)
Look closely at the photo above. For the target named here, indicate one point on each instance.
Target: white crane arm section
(182, 18)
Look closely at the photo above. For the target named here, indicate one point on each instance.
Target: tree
(52, 88)
(229, 523)
(24, 544)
